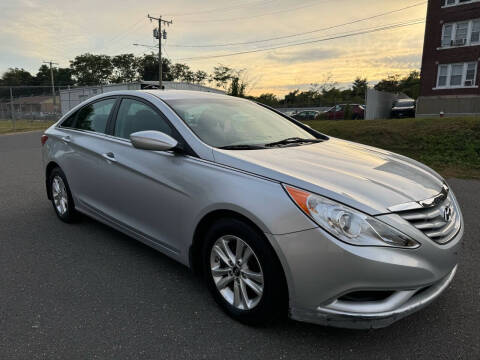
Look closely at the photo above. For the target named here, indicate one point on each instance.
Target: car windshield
(405, 103)
(235, 122)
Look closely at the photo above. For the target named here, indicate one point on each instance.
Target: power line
(303, 33)
(389, 27)
(222, 8)
(121, 35)
(311, 4)
(316, 38)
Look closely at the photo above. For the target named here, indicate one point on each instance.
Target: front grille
(433, 222)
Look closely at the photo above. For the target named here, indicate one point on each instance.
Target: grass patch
(6, 126)
(451, 146)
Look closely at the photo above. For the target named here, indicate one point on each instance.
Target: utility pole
(51, 63)
(158, 35)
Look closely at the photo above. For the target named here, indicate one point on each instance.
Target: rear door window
(94, 117)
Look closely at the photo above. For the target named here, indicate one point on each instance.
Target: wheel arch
(50, 166)
(207, 221)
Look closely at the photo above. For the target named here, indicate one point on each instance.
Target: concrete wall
(450, 105)
(379, 103)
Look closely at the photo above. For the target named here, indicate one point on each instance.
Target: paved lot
(85, 291)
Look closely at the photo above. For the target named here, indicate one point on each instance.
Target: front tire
(243, 273)
(61, 196)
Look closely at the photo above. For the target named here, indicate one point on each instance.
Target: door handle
(66, 138)
(110, 157)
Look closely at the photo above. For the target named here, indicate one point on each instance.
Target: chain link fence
(29, 104)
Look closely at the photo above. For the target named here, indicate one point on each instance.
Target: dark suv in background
(404, 108)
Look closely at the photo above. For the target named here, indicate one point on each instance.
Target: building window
(465, 33)
(446, 3)
(447, 35)
(457, 75)
(475, 33)
(442, 75)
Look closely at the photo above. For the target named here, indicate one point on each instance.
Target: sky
(36, 31)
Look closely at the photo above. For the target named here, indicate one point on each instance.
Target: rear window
(68, 122)
(405, 103)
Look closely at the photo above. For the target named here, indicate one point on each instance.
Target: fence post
(12, 109)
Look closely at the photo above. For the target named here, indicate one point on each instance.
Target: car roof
(172, 94)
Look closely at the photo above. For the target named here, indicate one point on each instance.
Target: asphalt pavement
(85, 291)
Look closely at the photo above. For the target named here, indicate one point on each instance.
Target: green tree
(359, 87)
(267, 99)
(390, 84)
(61, 76)
(200, 77)
(222, 75)
(237, 87)
(182, 72)
(89, 69)
(147, 68)
(410, 84)
(17, 77)
(125, 68)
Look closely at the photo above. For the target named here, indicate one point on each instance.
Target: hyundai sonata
(277, 217)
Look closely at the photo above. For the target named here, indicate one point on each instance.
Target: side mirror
(153, 140)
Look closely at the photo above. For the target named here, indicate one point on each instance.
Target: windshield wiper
(293, 140)
(242, 147)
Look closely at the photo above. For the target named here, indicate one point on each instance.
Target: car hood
(365, 178)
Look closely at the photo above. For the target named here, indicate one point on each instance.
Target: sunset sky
(33, 31)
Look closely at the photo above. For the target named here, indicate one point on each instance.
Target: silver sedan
(277, 217)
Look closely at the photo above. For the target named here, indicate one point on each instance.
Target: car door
(146, 189)
(340, 112)
(88, 156)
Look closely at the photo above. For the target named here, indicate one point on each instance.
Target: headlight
(346, 224)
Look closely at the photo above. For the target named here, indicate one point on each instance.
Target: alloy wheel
(236, 272)
(59, 194)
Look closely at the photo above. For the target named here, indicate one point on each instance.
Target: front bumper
(364, 316)
(321, 271)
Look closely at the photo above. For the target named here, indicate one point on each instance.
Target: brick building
(451, 54)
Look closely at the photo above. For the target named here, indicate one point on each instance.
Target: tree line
(328, 93)
(90, 69)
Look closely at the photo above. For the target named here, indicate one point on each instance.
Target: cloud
(301, 56)
(407, 61)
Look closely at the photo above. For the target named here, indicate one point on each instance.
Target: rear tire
(61, 196)
(252, 288)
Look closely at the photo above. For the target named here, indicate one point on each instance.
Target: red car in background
(339, 112)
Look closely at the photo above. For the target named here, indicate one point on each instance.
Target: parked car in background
(279, 218)
(344, 112)
(306, 115)
(404, 108)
